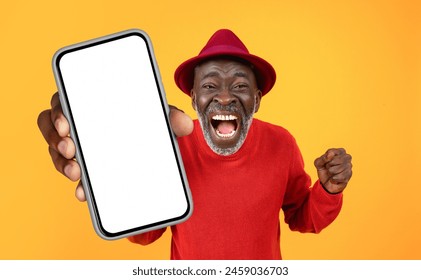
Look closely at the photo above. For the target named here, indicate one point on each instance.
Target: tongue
(225, 127)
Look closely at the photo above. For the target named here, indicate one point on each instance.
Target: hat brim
(265, 73)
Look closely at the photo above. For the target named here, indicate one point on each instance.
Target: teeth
(224, 117)
(225, 135)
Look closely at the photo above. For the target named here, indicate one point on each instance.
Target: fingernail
(60, 127)
(57, 124)
(62, 147)
(67, 170)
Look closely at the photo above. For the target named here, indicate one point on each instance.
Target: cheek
(249, 103)
(202, 102)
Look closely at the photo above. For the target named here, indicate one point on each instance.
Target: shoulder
(276, 142)
(273, 138)
(272, 131)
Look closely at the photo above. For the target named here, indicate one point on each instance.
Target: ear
(193, 99)
(258, 98)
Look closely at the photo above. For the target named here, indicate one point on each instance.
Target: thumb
(320, 163)
(181, 123)
(80, 193)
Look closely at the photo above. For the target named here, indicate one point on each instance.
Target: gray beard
(246, 121)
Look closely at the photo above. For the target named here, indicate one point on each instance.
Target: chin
(225, 142)
(225, 128)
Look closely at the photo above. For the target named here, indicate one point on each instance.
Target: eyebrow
(211, 74)
(239, 74)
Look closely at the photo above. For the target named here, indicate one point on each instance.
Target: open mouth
(225, 125)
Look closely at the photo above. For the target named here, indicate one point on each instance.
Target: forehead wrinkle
(211, 74)
(238, 74)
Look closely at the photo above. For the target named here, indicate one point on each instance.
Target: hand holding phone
(112, 96)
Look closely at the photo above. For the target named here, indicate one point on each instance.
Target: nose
(224, 97)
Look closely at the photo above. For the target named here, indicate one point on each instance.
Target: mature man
(241, 171)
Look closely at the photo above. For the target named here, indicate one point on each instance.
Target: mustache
(217, 107)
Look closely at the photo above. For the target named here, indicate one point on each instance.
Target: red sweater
(237, 198)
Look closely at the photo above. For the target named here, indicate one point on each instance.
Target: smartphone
(132, 172)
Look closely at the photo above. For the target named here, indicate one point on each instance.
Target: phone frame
(89, 193)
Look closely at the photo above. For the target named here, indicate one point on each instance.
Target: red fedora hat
(225, 43)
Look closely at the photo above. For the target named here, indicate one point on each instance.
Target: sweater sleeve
(147, 237)
(306, 208)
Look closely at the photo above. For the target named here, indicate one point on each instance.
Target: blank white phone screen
(123, 134)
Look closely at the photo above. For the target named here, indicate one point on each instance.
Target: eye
(241, 86)
(208, 86)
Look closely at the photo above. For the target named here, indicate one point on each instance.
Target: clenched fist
(334, 169)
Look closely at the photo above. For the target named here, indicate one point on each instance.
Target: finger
(67, 167)
(320, 163)
(337, 169)
(339, 160)
(328, 156)
(341, 178)
(57, 117)
(335, 153)
(47, 129)
(80, 193)
(181, 123)
(55, 100)
(66, 147)
(336, 183)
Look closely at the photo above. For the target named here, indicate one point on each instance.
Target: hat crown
(224, 43)
(224, 39)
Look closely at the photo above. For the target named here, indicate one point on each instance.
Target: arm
(311, 209)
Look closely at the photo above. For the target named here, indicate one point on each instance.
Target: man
(241, 171)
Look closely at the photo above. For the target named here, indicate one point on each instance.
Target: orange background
(348, 75)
